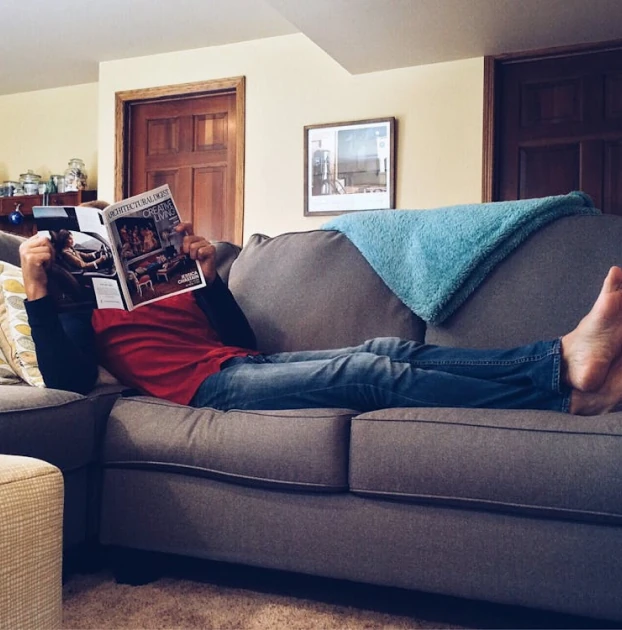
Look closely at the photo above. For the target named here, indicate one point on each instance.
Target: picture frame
(349, 166)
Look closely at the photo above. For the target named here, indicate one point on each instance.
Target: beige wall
(43, 130)
(292, 83)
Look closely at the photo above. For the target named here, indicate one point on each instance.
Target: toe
(613, 281)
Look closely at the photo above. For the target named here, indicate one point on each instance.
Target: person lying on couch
(198, 349)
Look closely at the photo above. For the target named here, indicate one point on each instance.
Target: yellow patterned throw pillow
(7, 375)
(16, 341)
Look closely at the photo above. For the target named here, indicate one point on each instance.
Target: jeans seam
(557, 377)
(533, 359)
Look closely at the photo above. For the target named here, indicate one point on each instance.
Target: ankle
(564, 343)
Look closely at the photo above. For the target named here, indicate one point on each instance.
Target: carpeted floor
(209, 595)
(95, 601)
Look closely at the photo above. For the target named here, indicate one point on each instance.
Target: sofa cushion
(48, 424)
(306, 450)
(314, 290)
(8, 375)
(533, 462)
(15, 335)
(541, 290)
(226, 253)
(9, 247)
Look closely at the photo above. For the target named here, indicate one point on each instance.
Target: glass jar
(59, 182)
(8, 188)
(75, 175)
(30, 183)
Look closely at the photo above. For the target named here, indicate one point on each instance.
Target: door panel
(551, 170)
(210, 190)
(613, 96)
(591, 170)
(612, 197)
(162, 136)
(550, 103)
(210, 132)
(558, 126)
(159, 178)
(190, 144)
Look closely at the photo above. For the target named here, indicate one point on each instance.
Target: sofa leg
(135, 567)
(83, 558)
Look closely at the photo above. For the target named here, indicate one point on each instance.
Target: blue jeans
(391, 372)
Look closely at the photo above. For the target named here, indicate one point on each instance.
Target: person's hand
(199, 249)
(36, 255)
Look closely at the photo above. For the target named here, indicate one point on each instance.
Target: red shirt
(165, 349)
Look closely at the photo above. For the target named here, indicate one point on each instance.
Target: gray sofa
(515, 507)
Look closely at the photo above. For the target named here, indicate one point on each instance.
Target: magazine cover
(124, 256)
(83, 273)
(150, 260)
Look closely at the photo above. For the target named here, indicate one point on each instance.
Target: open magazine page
(149, 250)
(82, 274)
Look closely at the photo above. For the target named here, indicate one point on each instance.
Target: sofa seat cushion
(306, 450)
(531, 462)
(48, 424)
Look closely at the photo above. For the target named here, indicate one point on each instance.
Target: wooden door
(190, 141)
(558, 127)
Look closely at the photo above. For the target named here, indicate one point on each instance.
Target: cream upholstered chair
(31, 518)
(141, 282)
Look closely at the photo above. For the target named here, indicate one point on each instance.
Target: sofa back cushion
(314, 290)
(541, 290)
(226, 253)
(9, 248)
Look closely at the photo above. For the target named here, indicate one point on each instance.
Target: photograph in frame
(349, 166)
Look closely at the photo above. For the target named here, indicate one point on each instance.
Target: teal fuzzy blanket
(434, 259)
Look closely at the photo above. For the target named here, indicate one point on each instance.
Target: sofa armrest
(31, 515)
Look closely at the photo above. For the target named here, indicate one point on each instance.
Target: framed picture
(349, 166)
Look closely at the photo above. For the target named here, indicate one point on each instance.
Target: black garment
(65, 342)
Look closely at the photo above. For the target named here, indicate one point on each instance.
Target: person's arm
(65, 346)
(65, 350)
(77, 260)
(215, 300)
(225, 315)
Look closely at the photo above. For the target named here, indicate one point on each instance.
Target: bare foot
(607, 398)
(591, 347)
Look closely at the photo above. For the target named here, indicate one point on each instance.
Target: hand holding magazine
(124, 256)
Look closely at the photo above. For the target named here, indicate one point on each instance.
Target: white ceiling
(52, 44)
(370, 35)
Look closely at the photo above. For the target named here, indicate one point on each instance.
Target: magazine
(124, 256)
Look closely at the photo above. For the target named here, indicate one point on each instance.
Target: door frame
(125, 100)
(493, 66)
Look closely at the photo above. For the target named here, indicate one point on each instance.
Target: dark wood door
(190, 144)
(559, 127)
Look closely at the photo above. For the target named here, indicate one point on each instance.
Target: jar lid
(29, 176)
